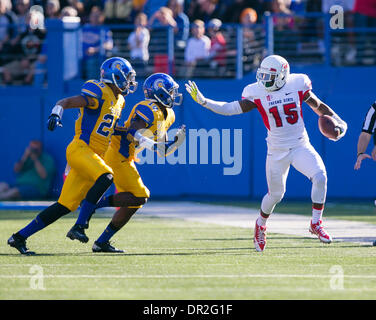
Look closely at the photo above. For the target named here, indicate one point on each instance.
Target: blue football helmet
(119, 72)
(162, 88)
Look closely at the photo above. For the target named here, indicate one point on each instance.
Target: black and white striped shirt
(369, 124)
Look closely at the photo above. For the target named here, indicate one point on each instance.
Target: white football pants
(306, 160)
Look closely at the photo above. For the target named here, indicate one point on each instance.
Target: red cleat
(259, 238)
(318, 230)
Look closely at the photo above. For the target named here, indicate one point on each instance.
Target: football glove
(196, 95)
(341, 125)
(53, 122)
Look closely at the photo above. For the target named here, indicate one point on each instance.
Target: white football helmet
(273, 72)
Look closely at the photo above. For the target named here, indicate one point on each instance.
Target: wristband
(58, 110)
(359, 154)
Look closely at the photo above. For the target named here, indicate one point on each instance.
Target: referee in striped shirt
(368, 129)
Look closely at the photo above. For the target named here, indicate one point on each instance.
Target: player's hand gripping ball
(329, 128)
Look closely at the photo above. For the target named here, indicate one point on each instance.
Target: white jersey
(281, 110)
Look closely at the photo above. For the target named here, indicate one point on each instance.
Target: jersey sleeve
(144, 113)
(306, 84)
(369, 123)
(248, 93)
(92, 90)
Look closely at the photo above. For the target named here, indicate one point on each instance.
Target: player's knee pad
(53, 213)
(319, 181)
(270, 200)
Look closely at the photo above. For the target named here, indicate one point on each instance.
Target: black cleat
(105, 247)
(18, 242)
(77, 232)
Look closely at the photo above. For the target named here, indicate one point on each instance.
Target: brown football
(327, 126)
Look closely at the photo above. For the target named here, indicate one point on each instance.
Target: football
(327, 126)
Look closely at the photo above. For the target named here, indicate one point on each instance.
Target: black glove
(53, 121)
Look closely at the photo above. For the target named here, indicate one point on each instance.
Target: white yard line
(177, 276)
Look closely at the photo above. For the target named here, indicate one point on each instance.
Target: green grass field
(175, 259)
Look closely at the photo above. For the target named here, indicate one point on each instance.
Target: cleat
(18, 242)
(259, 238)
(105, 247)
(318, 230)
(77, 232)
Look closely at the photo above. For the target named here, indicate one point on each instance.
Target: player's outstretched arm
(363, 141)
(224, 108)
(79, 101)
(320, 108)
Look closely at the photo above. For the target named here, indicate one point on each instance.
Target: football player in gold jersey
(101, 103)
(146, 127)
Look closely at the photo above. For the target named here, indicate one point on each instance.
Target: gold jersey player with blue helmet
(100, 103)
(146, 127)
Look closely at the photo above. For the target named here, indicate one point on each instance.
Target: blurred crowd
(197, 26)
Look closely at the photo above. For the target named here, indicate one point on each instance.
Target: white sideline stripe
(174, 276)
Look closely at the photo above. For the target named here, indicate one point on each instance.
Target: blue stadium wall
(24, 111)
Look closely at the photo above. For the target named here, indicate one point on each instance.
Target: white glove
(196, 95)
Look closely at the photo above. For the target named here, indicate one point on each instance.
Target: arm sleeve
(369, 123)
(224, 108)
(92, 90)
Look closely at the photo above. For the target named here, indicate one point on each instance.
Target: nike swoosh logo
(288, 93)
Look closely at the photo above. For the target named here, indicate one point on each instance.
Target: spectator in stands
(234, 11)
(89, 5)
(248, 18)
(163, 17)
(118, 11)
(365, 13)
(138, 42)
(34, 174)
(26, 52)
(251, 57)
(197, 49)
(8, 30)
(203, 10)
(77, 5)
(138, 5)
(182, 21)
(96, 43)
(22, 8)
(281, 7)
(152, 6)
(68, 12)
(52, 9)
(217, 52)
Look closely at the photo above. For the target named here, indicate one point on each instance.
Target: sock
(316, 214)
(105, 202)
(261, 220)
(86, 211)
(33, 227)
(107, 233)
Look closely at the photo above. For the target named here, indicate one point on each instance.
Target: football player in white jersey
(278, 96)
